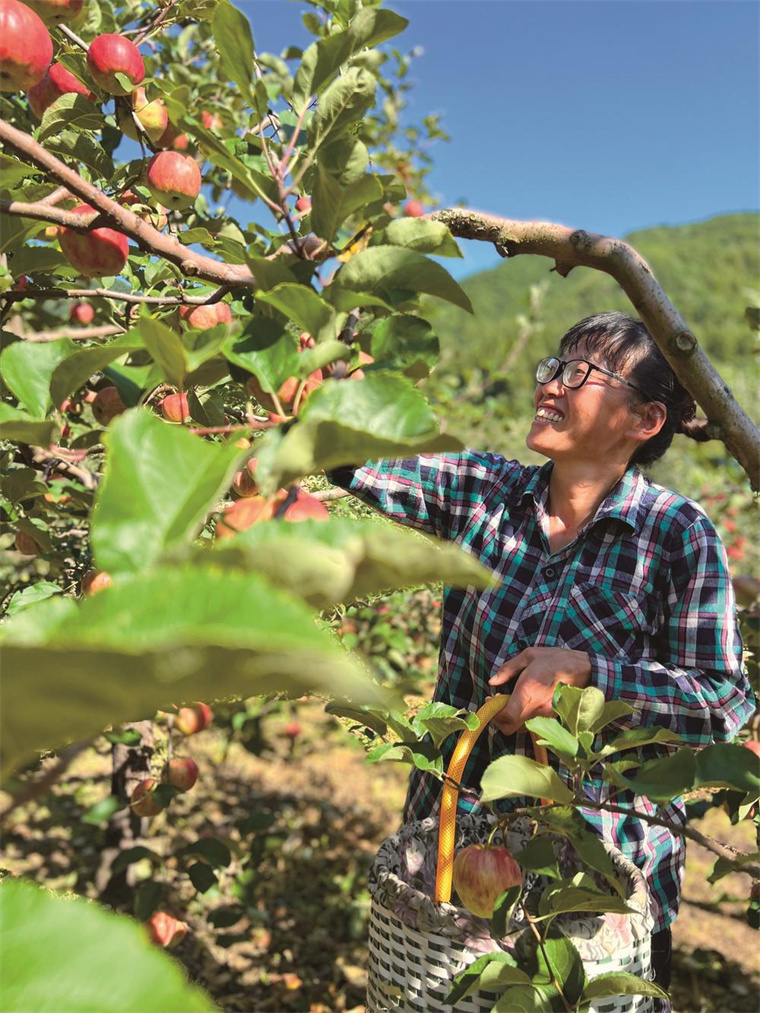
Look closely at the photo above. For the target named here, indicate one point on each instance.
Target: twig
(542, 947)
(107, 293)
(87, 478)
(75, 334)
(33, 789)
(328, 495)
(73, 37)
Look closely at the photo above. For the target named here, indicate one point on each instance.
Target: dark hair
(626, 346)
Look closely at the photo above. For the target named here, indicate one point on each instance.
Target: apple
(156, 217)
(25, 544)
(152, 116)
(414, 209)
(289, 388)
(109, 55)
(172, 138)
(165, 930)
(753, 745)
(98, 253)
(143, 802)
(303, 204)
(211, 121)
(196, 718)
(305, 341)
(107, 405)
(56, 12)
(181, 773)
(202, 318)
(58, 81)
(292, 730)
(95, 581)
(173, 179)
(244, 482)
(481, 873)
(304, 507)
(242, 514)
(82, 313)
(174, 408)
(26, 49)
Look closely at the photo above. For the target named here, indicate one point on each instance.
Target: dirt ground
(290, 931)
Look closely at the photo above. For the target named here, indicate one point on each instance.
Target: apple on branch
(414, 209)
(26, 49)
(95, 581)
(181, 772)
(173, 179)
(109, 55)
(58, 81)
(96, 253)
(482, 872)
(203, 318)
(153, 117)
(56, 12)
(165, 930)
(175, 408)
(143, 801)
(192, 719)
(106, 405)
(82, 313)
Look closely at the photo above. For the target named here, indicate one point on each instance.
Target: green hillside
(704, 269)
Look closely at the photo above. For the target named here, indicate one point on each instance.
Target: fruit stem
(73, 37)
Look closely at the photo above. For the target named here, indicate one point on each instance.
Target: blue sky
(607, 115)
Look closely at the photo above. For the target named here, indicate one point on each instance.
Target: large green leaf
(562, 898)
(552, 734)
(68, 955)
(422, 235)
(346, 160)
(385, 270)
(342, 105)
(559, 959)
(28, 367)
(333, 203)
(149, 640)
(728, 765)
(234, 40)
(339, 560)
(621, 983)
(70, 110)
(533, 998)
(19, 427)
(490, 972)
(403, 340)
(165, 347)
(266, 349)
(579, 709)
(78, 366)
(301, 304)
(660, 780)
(515, 776)
(159, 484)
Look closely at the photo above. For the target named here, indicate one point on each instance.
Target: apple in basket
(481, 873)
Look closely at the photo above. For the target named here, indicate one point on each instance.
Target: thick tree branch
(570, 248)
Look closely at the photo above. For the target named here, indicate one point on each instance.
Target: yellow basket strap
(450, 794)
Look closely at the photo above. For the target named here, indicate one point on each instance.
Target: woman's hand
(538, 670)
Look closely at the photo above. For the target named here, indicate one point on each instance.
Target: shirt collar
(624, 502)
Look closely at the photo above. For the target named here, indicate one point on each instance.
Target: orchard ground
(300, 941)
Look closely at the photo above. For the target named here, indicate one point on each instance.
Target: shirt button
(550, 572)
(521, 644)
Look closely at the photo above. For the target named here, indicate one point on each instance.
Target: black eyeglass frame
(562, 365)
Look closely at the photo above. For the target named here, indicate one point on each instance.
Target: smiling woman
(603, 579)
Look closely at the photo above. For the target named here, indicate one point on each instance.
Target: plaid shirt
(644, 589)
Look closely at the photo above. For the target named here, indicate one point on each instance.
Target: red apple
(56, 12)
(181, 773)
(196, 718)
(58, 81)
(95, 581)
(202, 318)
(303, 204)
(26, 49)
(211, 121)
(173, 179)
(107, 405)
(289, 388)
(753, 745)
(152, 116)
(481, 873)
(244, 482)
(165, 930)
(292, 730)
(82, 313)
(304, 507)
(25, 544)
(156, 217)
(172, 138)
(109, 55)
(174, 408)
(143, 802)
(98, 253)
(414, 209)
(242, 514)
(305, 341)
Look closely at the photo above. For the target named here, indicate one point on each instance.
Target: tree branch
(571, 248)
(75, 333)
(107, 293)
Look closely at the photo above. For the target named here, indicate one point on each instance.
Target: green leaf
(560, 960)
(728, 765)
(422, 755)
(148, 897)
(333, 203)
(166, 349)
(561, 898)
(620, 983)
(72, 372)
(660, 780)
(440, 720)
(27, 368)
(100, 813)
(367, 717)
(578, 708)
(635, 738)
(18, 427)
(266, 349)
(201, 346)
(346, 160)
(613, 710)
(490, 972)
(342, 106)
(422, 235)
(13, 171)
(403, 340)
(202, 877)
(155, 639)
(214, 851)
(538, 856)
(132, 855)
(502, 912)
(532, 998)
(58, 957)
(70, 110)
(158, 486)
(569, 822)
(301, 304)
(234, 41)
(30, 596)
(387, 270)
(515, 776)
(77, 147)
(552, 734)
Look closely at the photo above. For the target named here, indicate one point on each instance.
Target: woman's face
(592, 422)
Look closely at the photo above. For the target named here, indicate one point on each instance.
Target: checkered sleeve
(694, 684)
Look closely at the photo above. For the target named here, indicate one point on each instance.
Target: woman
(604, 578)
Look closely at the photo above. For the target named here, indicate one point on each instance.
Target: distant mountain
(704, 269)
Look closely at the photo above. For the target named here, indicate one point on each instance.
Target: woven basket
(418, 944)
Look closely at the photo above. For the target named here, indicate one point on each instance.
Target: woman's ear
(650, 418)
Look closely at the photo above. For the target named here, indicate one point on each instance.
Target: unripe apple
(165, 930)
(109, 55)
(203, 318)
(414, 209)
(173, 179)
(95, 581)
(26, 49)
(181, 773)
(152, 115)
(243, 482)
(56, 12)
(242, 514)
(175, 408)
(82, 313)
(481, 873)
(25, 544)
(304, 507)
(143, 801)
(97, 253)
(303, 204)
(107, 405)
(58, 81)
(196, 718)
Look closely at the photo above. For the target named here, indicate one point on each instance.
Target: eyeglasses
(575, 372)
